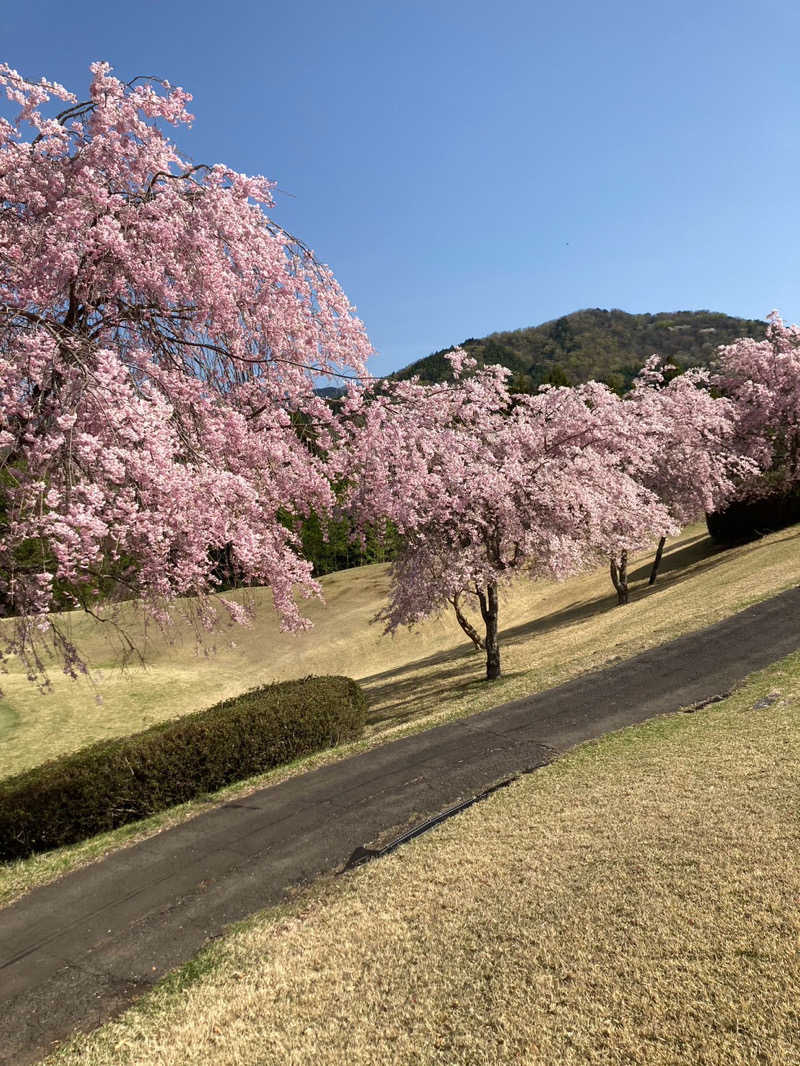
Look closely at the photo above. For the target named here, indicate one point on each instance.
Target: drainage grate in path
(363, 855)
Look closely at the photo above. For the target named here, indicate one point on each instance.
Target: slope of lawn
(637, 901)
(551, 632)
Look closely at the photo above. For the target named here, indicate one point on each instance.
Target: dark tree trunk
(493, 661)
(657, 561)
(466, 625)
(489, 611)
(619, 577)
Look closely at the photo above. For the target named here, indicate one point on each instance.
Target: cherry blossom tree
(691, 461)
(762, 378)
(484, 485)
(160, 339)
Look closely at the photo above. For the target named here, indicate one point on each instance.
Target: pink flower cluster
(762, 378)
(690, 456)
(160, 337)
(485, 485)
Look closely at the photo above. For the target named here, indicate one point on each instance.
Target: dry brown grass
(636, 902)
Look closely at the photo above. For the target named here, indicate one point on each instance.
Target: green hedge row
(122, 780)
(747, 519)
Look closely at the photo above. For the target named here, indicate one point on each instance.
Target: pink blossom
(486, 486)
(762, 381)
(160, 335)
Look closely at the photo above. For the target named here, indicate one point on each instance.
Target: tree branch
(466, 625)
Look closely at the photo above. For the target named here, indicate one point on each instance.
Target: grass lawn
(550, 632)
(636, 902)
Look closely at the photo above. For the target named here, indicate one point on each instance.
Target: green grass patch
(8, 720)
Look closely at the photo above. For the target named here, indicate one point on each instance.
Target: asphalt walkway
(75, 953)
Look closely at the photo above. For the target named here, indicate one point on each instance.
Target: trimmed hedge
(122, 780)
(748, 519)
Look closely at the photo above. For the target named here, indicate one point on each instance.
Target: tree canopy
(160, 337)
(484, 485)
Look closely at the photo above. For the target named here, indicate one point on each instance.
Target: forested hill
(608, 346)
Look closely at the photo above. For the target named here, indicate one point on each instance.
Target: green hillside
(597, 345)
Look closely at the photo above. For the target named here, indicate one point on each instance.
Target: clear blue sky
(467, 167)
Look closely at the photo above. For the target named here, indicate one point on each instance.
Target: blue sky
(468, 167)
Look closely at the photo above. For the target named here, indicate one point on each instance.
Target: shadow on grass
(700, 554)
(397, 702)
(401, 694)
(695, 550)
(394, 699)
(575, 612)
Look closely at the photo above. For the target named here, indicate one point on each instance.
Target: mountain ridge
(594, 344)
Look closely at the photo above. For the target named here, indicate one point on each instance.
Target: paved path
(77, 952)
